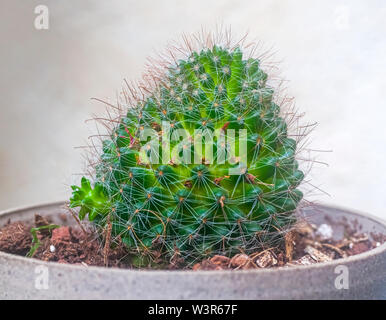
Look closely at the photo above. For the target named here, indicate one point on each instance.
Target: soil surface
(306, 244)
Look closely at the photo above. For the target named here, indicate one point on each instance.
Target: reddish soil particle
(61, 234)
(359, 248)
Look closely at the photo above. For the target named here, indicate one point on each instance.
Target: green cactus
(171, 198)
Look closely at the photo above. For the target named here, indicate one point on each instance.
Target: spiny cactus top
(203, 165)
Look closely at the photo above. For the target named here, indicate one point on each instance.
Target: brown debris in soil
(61, 234)
(217, 262)
(305, 245)
(317, 255)
(267, 259)
(289, 245)
(106, 249)
(15, 238)
(71, 245)
(41, 222)
(241, 261)
(63, 245)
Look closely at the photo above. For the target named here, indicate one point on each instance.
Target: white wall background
(333, 53)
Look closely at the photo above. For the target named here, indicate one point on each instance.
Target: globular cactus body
(196, 208)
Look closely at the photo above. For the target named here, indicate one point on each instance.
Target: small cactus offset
(202, 165)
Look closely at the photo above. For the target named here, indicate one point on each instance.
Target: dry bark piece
(239, 260)
(280, 259)
(176, 262)
(266, 259)
(304, 228)
(317, 255)
(41, 221)
(207, 265)
(106, 249)
(341, 253)
(220, 260)
(197, 267)
(289, 245)
(303, 261)
(360, 238)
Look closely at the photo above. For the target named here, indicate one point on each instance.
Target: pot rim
(316, 266)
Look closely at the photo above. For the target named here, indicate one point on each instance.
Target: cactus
(181, 203)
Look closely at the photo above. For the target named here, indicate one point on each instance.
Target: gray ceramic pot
(364, 274)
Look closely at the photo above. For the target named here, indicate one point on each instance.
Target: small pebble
(324, 231)
(52, 248)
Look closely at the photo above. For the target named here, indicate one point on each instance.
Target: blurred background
(333, 52)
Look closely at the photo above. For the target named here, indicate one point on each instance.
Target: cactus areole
(202, 165)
